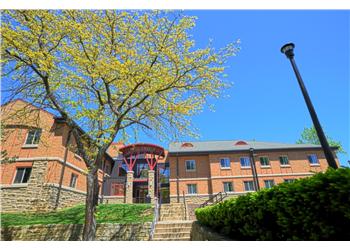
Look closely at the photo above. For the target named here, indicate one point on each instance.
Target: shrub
(315, 208)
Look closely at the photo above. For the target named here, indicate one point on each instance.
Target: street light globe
(287, 49)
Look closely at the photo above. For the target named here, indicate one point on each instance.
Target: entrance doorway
(140, 193)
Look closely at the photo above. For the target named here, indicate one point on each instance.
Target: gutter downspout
(63, 169)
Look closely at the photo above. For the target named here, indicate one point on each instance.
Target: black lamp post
(287, 49)
(255, 174)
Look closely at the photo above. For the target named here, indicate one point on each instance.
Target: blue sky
(265, 101)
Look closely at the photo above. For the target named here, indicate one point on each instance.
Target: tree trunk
(90, 208)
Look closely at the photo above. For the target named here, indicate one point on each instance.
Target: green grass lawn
(106, 213)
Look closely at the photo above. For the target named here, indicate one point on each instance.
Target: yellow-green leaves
(109, 70)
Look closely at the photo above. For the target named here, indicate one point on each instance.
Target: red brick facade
(51, 147)
(209, 176)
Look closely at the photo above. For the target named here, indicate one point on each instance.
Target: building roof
(234, 145)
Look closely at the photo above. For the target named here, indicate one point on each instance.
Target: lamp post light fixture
(254, 173)
(288, 50)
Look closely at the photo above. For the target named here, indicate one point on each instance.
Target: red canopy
(134, 150)
(142, 148)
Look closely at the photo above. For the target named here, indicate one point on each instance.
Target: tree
(107, 71)
(309, 135)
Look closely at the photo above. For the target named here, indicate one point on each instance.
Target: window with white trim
(248, 186)
(245, 162)
(269, 183)
(313, 159)
(192, 188)
(73, 180)
(190, 165)
(289, 180)
(22, 175)
(33, 137)
(225, 162)
(284, 161)
(228, 186)
(264, 161)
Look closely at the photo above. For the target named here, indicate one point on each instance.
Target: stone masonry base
(60, 232)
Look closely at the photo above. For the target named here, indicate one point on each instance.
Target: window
(288, 180)
(117, 189)
(264, 161)
(225, 163)
(245, 162)
(73, 180)
(269, 183)
(284, 160)
(248, 186)
(33, 137)
(191, 188)
(22, 175)
(190, 165)
(313, 159)
(228, 187)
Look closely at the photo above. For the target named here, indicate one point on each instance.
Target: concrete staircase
(173, 230)
(172, 224)
(172, 212)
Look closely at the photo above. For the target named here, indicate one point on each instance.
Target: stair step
(172, 235)
(173, 230)
(183, 224)
(172, 239)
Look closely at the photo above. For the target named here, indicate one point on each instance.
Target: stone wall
(104, 232)
(113, 199)
(28, 196)
(37, 195)
(196, 199)
(203, 233)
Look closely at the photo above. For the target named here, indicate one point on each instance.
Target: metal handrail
(185, 205)
(156, 217)
(222, 195)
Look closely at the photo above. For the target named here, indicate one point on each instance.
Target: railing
(215, 199)
(185, 205)
(156, 217)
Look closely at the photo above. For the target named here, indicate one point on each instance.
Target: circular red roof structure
(142, 148)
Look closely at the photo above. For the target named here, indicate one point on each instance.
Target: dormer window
(240, 143)
(187, 145)
(33, 137)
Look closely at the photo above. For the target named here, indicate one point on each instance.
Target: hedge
(314, 208)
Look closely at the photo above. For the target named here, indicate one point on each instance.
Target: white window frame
(269, 181)
(75, 182)
(313, 164)
(264, 166)
(229, 162)
(21, 182)
(248, 160)
(244, 182)
(288, 180)
(32, 145)
(194, 164)
(223, 183)
(192, 185)
(284, 165)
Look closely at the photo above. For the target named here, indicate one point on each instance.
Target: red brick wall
(52, 144)
(209, 176)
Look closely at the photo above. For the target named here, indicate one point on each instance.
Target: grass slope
(106, 213)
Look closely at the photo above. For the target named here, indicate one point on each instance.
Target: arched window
(186, 145)
(241, 143)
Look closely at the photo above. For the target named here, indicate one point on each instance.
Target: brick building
(43, 161)
(202, 169)
(44, 164)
